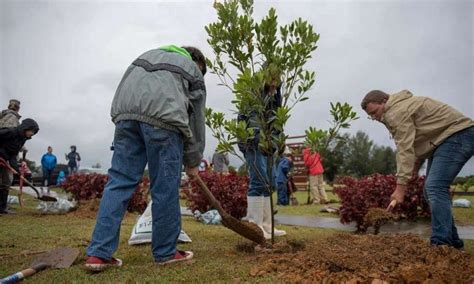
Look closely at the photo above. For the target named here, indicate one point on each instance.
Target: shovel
(62, 257)
(246, 229)
(38, 196)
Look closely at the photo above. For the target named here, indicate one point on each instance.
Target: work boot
(267, 220)
(255, 212)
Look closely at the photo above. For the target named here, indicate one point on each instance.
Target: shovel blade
(246, 229)
(61, 257)
(47, 198)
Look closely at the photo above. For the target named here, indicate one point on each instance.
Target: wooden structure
(300, 172)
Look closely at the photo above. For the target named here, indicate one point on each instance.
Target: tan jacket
(9, 118)
(419, 125)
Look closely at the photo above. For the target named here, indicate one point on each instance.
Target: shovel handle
(209, 196)
(5, 164)
(392, 205)
(24, 273)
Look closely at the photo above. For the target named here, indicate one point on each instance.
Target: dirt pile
(87, 208)
(377, 217)
(367, 259)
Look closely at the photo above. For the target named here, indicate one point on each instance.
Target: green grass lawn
(464, 216)
(216, 258)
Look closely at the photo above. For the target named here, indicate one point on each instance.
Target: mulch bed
(355, 258)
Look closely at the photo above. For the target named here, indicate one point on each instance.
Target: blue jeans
(258, 176)
(443, 166)
(137, 143)
(282, 190)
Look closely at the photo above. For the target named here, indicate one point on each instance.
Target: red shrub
(230, 190)
(88, 186)
(358, 195)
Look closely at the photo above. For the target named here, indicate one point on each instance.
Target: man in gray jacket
(158, 111)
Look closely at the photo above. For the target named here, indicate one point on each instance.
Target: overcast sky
(64, 59)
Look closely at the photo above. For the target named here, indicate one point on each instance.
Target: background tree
(382, 160)
(358, 156)
(334, 157)
(96, 166)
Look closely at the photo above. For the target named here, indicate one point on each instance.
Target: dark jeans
(47, 177)
(6, 179)
(282, 190)
(137, 144)
(443, 166)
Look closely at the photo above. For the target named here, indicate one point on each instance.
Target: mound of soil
(377, 217)
(289, 246)
(87, 209)
(369, 259)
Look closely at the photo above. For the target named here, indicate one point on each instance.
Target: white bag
(60, 206)
(462, 203)
(13, 200)
(141, 232)
(211, 217)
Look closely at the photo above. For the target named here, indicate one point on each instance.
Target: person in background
(48, 163)
(10, 117)
(424, 128)
(73, 159)
(11, 141)
(220, 162)
(281, 174)
(61, 178)
(313, 162)
(158, 111)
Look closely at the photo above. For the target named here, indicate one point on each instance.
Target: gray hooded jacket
(165, 89)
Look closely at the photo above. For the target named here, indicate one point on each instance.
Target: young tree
(251, 57)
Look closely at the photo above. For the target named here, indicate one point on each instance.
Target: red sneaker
(94, 263)
(179, 256)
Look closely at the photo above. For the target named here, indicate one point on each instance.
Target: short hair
(197, 56)
(375, 96)
(14, 105)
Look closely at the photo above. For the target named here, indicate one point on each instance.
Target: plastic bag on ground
(211, 217)
(141, 232)
(60, 206)
(13, 200)
(462, 203)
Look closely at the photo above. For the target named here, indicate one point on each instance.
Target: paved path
(42, 191)
(423, 229)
